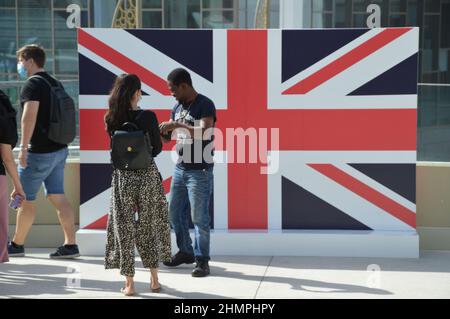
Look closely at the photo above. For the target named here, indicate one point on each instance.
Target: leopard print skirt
(138, 217)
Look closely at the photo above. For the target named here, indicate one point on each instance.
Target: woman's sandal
(122, 290)
(156, 290)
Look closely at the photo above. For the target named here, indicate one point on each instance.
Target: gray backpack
(62, 125)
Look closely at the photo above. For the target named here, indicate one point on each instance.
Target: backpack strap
(58, 84)
(130, 124)
(136, 120)
(146, 134)
(139, 115)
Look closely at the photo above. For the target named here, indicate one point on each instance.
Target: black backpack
(8, 124)
(62, 127)
(131, 148)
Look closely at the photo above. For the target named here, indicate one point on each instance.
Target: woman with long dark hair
(139, 213)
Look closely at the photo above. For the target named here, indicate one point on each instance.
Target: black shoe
(15, 250)
(66, 252)
(180, 258)
(201, 269)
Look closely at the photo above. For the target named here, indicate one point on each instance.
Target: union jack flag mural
(344, 103)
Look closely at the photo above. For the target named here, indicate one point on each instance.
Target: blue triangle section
(400, 79)
(304, 210)
(94, 179)
(400, 178)
(303, 48)
(95, 79)
(191, 48)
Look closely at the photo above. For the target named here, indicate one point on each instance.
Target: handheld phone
(14, 204)
(167, 136)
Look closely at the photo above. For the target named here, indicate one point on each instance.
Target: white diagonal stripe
(293, 165)
(370, 67)
(377, 186)
(161, 65)
(101, 101)
(332, 57)
(347, 201)
(95, 208)
(333, 98)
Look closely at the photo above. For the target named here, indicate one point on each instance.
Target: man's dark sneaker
(180, 258)
(201, 269)
(66, 252)
(15, 250)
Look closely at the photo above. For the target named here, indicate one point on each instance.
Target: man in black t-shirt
(192, 120)
(41, 160)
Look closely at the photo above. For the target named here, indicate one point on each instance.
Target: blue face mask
(22, 71)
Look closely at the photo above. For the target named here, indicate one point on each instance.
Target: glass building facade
(433, 18)
(44, 22)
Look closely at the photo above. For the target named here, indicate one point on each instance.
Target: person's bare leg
(154, 281)
(128, 290)
(24, 221)
(66, 216)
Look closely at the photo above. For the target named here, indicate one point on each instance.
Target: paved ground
(37, 276)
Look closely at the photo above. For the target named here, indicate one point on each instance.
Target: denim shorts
(47, 168)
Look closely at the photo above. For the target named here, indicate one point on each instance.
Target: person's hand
(18, 191)
(23, 154)
(166, 127)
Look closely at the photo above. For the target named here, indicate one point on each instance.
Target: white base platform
(342, 243)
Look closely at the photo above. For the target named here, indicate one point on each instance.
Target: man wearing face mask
(41, 160)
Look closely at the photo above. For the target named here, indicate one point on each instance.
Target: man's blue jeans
(191, 188)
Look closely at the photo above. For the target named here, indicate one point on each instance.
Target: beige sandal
(156, 290)
(122, 290)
